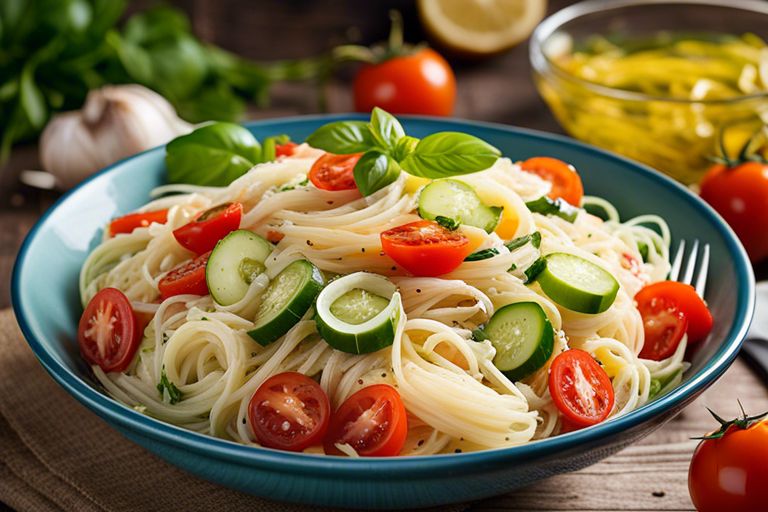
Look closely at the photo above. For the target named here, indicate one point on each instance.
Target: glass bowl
(677, 136)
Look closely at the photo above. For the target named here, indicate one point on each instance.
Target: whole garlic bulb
(116, 121)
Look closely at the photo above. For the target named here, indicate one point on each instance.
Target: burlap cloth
(57, 455)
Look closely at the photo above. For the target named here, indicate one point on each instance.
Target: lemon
(480, 27)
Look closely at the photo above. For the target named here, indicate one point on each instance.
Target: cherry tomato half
(730, 473)
(286, 149)
(685, 298)
(566, 183)
(289, 412)
(372, 421)
(127, 223)
(664, 326)
(425, 248)
(109, 334)
(334, 172)
(740, 195)
(202, 234)
(187, 278)
(580, 388)
(419, 83)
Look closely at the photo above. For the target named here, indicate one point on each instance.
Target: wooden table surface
(651, 475)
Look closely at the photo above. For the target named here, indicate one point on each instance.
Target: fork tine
(701, 281)
(691, 265)
(674, 272)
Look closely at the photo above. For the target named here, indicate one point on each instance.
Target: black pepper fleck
(309, 243)
(394, 268)
(421, 442)
(418, 290)
(383, 375)
(457, 450)
(362, 249)
(329, 202)
(658, 494)
(244, 421)
(360, 381)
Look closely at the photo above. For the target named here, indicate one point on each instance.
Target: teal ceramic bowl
(47, 306)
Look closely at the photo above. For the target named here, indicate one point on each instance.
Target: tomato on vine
(401, 78)
(728, 469)
(738, 190)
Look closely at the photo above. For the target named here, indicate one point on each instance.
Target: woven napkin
(57, 455)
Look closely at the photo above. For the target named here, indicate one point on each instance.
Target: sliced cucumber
(523, 338)
(358, 313)
(458, 201)
(235, 261)
(578, 284)
(286, 299)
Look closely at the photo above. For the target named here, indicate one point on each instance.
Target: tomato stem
(743, 422)
(745, 154)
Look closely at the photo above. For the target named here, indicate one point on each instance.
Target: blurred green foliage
(52, 52)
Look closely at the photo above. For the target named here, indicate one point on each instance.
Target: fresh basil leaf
(32, 100)
(174, 394)
(212, 155)
(404, 147)
(156, 25)
(534, 239)
(385, 128)
(343, 137)
(374, 171)
(557, 207)
(479, 335)
(482, 255)
(535, 269)
(448, 223)
(445, 154)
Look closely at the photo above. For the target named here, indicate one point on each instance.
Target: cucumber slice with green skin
(286, 300)
(235, 261)
(456, 200)
(523, 338)
(358, 313)
(577, 284)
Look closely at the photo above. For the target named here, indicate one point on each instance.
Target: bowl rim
(542, 63)
(128, 420)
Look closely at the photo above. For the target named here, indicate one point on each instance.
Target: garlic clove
(115, 122)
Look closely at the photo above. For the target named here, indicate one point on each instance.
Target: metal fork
(690, 270)
(755, 348)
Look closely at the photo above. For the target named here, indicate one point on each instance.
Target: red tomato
(334, 172)
(372, 421)
(286, 149)
(202, 234)
(108, 334)
(685, 298)
(187, 278)
(290, 412)
(731, 473)
(740, 195)
(425, 248)
(580, 388)
(127, 223)
(419, 83)
(566, 183)
(664, 326)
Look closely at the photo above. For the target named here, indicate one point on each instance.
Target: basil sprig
(387, 150)
(216, 154)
